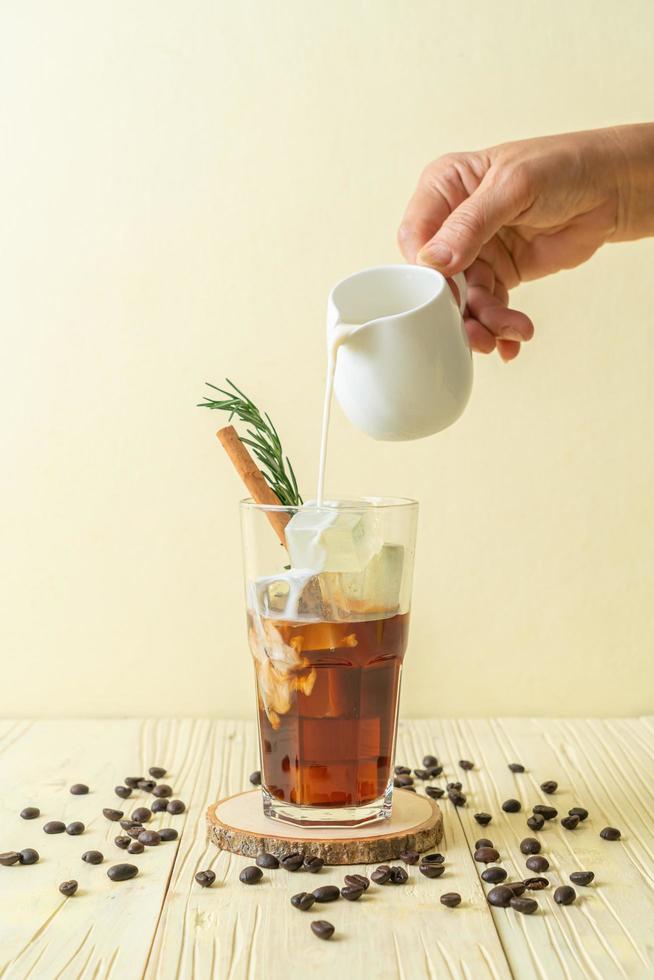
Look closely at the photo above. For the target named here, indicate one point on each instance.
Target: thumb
(459, 240)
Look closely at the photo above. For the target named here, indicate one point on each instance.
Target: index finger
(425, 213)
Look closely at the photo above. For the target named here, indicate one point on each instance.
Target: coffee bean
(530, 845)
(351, 893)
(433, 858)
(266, 860)
(28, 856)
(79, 789)
(486, 855)
(135, 847)
(537, 863)
(302, 901)
(75, 828)
(511, 806)
(516, 767)
(610, 833)
(135, 831)
(400, 782)
(54, 827)
(451, 899)
(493, 875)
(176, 806)
(483, 819)
(402, 771)
(121, 872)
(435, 792)
(500, 897)
(549, 786)
(147, 785)
(578, 811)
(466, 764)
(409, 857)
(582, 877)
(157, 772)
(381, 874)
(422, 773)
(141, 815)
(123, 791)
(159, 806)
(122, 841)
(205, 878)
(128, 824)
(536, 822)
(68, 888)
(400, 875)
(30, 813)
(545, 811)
(255, 777)
(483, 842)
(359, 881)
(326, 893)
(455, 786)
(149, 837)
(92, 857)
(113, 814)
(536, 883)
(251, 875)
(431, 870)
(434, 771)
(313, 864)
(322, 929)
(429, 761)
(527, 906)
(458, 799)
(292, 861)
(162, 790)
(168, 833)
(570, 822)
(564, 895)
(7, 858)
(517, 887)
(132, 781)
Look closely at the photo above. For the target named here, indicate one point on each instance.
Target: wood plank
(235, 931)
(106, 928)
(605, 766)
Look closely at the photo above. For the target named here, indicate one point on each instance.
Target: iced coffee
(328, 633)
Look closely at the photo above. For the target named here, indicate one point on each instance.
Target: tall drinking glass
(328, 620)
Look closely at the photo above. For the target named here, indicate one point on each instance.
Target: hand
(514, 212)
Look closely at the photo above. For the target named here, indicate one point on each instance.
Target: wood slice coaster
(238, 824)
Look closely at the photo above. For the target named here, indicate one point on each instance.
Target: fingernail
(436, 254)
(510, 333)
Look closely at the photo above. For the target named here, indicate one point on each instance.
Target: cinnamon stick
(253, 479)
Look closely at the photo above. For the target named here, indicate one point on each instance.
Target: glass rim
(335, 503)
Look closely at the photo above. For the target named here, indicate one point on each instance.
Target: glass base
(326, 816)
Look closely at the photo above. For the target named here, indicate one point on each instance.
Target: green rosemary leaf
(262, 437)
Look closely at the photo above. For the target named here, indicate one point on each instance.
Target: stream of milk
(341, 332)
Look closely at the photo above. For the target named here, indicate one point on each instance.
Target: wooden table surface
(162, 924)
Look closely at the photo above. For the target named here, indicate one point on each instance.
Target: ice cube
(329, 539)
(276, 596)
(375, 589)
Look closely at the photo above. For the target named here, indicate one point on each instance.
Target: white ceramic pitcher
(404, 367)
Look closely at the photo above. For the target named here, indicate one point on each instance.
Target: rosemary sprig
(263, 440)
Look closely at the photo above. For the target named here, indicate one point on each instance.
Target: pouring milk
(404, 372)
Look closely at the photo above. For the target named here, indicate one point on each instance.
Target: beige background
(181, 184)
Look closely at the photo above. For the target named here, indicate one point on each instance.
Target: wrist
(630, 178)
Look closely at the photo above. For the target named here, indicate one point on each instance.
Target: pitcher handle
(462, 286)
